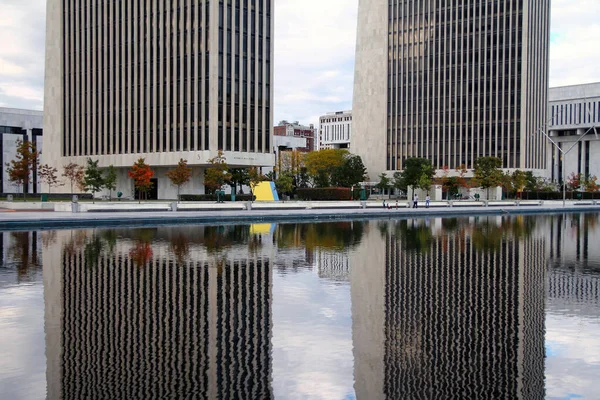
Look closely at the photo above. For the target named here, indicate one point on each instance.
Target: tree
(350, 173)
(239, 176)
(574, 181)
(26, 161)
(216, 175)
(321, 164)
(48, 175)
(284, 183)
(591, 184)
(384, 183)
(488, 173)
(417, 171)
(462, 170)
(519, 181)
(179, 176)
(75, 174)
(93, 179)
(142, 175)
(507, 183)
(110, 181)
(398, 182)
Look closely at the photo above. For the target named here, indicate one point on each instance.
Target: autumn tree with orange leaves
(142, 175)
(75, 174)
(179, 176)
(26, 161)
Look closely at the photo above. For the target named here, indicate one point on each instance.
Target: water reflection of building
(573, 279)
(125, 319)
(458, 312)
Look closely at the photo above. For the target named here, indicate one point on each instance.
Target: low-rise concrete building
(15, 125)
(574, 122)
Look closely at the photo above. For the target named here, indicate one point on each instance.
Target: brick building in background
(294, 129)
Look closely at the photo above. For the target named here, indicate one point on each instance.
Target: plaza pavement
(294, 212)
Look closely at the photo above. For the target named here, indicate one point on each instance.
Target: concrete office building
(335, 130)
(160, 80)
(15, 125)
(574, 111)
(451, 82)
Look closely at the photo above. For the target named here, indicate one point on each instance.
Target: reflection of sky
(22, 342)
(573, 357)
(312, 337)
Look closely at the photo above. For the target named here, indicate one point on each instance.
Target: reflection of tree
(141, 253)
(218, 238)
(48, 238)
(75, 243)
(415, 235)
(24, 252)
(93, 251)
(487, 236)
(180, 247)
(110, 236)
(333, 235)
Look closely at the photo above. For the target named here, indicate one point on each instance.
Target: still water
(481, 307)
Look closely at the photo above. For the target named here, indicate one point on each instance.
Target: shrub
(213, 197)
(323, 193)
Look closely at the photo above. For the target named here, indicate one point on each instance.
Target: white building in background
(162, 81)
(335, 130)
(15, 125)
(574, 111)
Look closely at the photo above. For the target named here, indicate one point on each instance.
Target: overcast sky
(314, 53)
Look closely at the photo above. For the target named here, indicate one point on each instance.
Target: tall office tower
(158, 79)
(451, 82)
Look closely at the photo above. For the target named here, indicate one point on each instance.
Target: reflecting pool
(479, 307)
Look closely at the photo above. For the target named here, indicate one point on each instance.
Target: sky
(314, 53)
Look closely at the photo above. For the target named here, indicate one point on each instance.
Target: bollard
(363, 204)
(518, 203)
(74, 207)
(450, 204)
(486, 203)
(174, 206)
(249, 206)
(541, 202)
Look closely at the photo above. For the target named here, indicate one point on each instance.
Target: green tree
(93, 179)
(350, 173)
(239, 177)
(179, 176)
(20, 170)
(488, 173)
(217, 174)
(417, 171)
(142, 175)
(398, 181)
(284, 183)
(520, 181)
(384, 183)
(110, 180)
(591, 184)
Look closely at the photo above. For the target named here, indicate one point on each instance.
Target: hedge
(213, 197)
(323, 193)
(559, 195)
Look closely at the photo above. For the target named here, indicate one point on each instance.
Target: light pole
(564, 155)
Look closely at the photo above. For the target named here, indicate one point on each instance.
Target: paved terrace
(104, 214)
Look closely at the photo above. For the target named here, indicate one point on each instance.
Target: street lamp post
(564, 155)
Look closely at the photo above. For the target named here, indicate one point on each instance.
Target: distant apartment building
(294, 129)
(335, 130)
(574, 111)
(15, 125)
(161, 81)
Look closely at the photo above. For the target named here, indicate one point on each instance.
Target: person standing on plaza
(427, 201)
(416, 201)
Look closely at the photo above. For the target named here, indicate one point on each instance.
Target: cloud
(22, 34)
